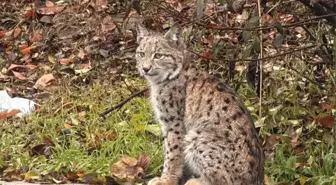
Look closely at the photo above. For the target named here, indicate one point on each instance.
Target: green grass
(78, 148)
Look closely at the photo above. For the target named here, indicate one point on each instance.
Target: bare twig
(303, 22)
(264, 58)
(299, 23)
(260, 61)
(122, 103)
(303, 76)
(323, 53)
(320, 9)
(258, 28)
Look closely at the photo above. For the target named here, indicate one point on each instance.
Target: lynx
(206, 128)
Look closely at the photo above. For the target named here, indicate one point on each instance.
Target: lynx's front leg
(173, 157)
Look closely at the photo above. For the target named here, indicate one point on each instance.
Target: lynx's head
(159, 57)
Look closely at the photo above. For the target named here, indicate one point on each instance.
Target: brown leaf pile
(128, 168)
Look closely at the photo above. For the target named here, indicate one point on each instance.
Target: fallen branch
(122, 103)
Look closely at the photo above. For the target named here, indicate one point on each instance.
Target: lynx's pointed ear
(141, 32)
(174, 33)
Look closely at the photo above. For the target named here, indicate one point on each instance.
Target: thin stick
(264, 58)
(260, 61)
(303, 22)
(308, 79)
(122, 103)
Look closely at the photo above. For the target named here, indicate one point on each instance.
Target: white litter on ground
(8, 103)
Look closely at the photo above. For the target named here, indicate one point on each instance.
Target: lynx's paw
(162, 181)
(193, 182)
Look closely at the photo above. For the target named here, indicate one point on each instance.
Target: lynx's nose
(146, 69)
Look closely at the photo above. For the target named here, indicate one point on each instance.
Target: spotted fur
(206, 127)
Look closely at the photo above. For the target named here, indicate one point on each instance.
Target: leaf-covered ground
(75, 58)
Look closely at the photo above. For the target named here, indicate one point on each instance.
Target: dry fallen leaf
(327, 121)
(23, 45)
(19, 75)
(27, 50)
(65, 61)
(75, 175)
(327, 106)
(49, 4)
(81, 53)
(84, 68)
(144, 161)
(46, 19)
(11, 174)
(42, 149)
(36, 36)
(30, 13)
(44, 81)
(267, 18)
(28, 66)
(92, 178)
(109, 135)
(50, 10)
(107, 24)
(95, 141)
(295, 140)
(67, 125)
(5, 114)
(128, 168)
(124, 170)
(27, 58)
(2, 33)
(177, 4)
(17, 32)
(51, 59)
(300, 30)
(99, 5)
(208, 55)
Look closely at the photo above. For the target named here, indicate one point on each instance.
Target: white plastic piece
(24, 105)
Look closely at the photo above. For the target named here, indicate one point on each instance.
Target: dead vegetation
(76, 57)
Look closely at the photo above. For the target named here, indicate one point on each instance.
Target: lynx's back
(206, 127)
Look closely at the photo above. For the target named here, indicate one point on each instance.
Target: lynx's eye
(158, 55)
(141, 54)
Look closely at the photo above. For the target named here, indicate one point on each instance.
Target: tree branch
(264, 58)
(258, 28)
(319, 9)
